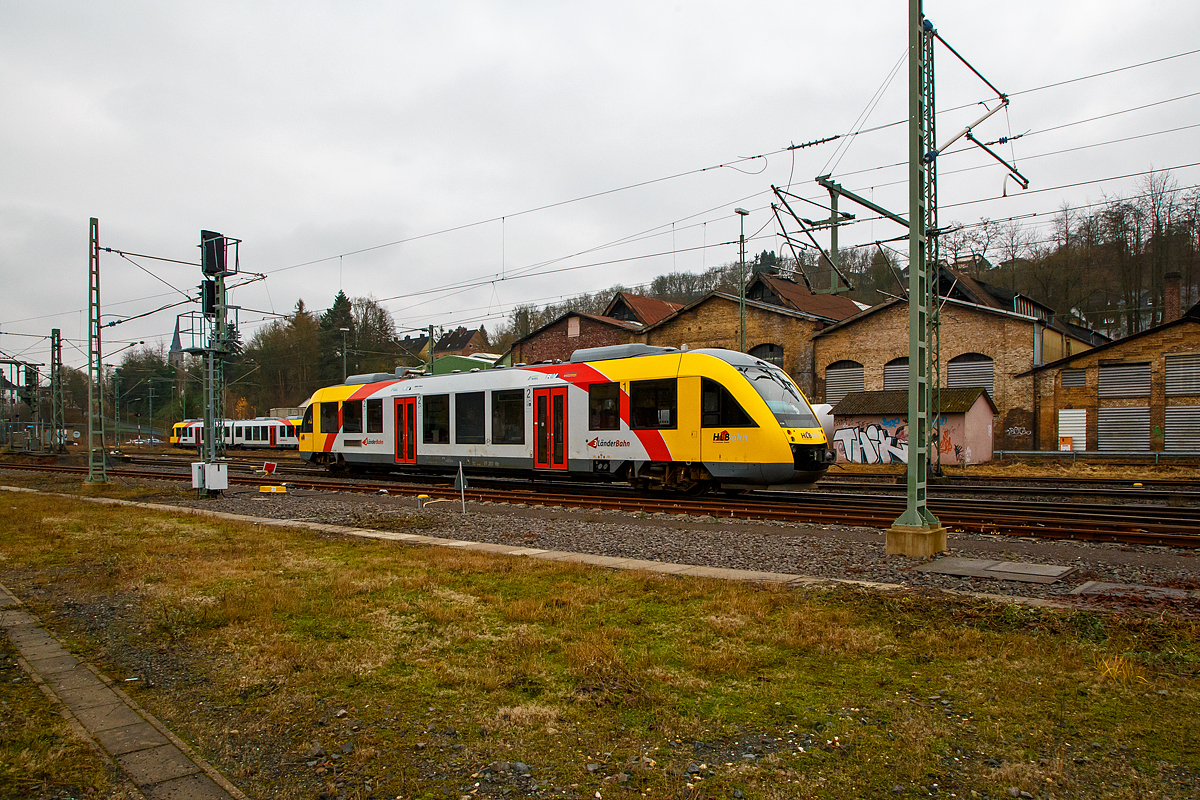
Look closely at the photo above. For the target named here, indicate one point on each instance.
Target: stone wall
(715, 323)
(1152, 347)
(878, 338)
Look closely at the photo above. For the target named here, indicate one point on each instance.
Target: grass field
(298, 664)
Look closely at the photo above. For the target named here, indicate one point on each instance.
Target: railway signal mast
(218, 339)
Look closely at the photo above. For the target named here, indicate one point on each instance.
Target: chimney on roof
(1171, 286)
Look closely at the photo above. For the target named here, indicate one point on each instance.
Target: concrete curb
(115, 727)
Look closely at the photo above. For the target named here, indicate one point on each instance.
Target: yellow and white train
(656, 417)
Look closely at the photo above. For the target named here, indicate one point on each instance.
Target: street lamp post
(742, 214)
(344, 373)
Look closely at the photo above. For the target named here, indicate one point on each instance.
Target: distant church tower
(175, 359)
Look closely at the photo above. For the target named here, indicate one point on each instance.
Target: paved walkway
(160, 765)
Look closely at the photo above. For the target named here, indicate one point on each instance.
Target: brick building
(570, 332)
(636, 308)
(774, 333)
(1137, 393)
(981, 346)
(780, 291)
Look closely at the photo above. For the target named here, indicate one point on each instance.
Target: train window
(719, 409)
(604, 407)
(652, 404)
(306, 423)
(781, 396)
(375, 416)
(237, 431)
(436, 419)
(508, 417)
(329, 418)
(352, 416)
(468, 418)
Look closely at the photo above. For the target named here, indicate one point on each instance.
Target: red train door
(550, 428)
(273, 433)
(406, 430)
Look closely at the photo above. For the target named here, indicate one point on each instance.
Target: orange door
(406, 430)
(550, 428)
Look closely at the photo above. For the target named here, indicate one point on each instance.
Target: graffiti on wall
(873, 444)
(886, 442)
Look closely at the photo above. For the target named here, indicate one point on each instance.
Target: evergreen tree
(335, 333)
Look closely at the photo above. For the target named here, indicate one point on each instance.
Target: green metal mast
(96, 473)
(934, 271)
(920, 292)
(58, 423)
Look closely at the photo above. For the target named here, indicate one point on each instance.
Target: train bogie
(656, 417)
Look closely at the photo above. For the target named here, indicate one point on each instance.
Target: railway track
(1121, 523)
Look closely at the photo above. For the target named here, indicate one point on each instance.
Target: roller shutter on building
(1073, 422)
(1123, 429)
(1183, 429)
(969, 370)
(841, 378)
(895, 375)
(1124, 380)
(1073, 377)
(1183, 374)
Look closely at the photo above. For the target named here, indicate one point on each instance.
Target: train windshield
(782, 397)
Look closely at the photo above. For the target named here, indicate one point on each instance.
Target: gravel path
(822, 551)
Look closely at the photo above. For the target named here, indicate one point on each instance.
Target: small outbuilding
(872, 427)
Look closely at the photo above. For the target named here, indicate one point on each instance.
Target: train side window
(375, 416)
(604, 407)
(508, 417)
(719, 409)
(237, 431)
(352, 417)
(469, 418)
(306, 423)
(652, 404)
(329, 418)
(436, 419)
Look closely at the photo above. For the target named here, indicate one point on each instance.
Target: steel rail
(1129, 525)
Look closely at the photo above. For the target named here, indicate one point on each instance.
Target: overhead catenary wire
(739, 161)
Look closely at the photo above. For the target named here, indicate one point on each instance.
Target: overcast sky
(453, 159)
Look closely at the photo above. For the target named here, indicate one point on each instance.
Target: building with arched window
(981, 347)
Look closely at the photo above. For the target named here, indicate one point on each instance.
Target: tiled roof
(456, 339)
(831, 306)
(646, 309)
(413, 345)
(861, 404)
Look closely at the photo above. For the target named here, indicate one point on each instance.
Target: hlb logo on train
(598, 442)
(725, 436)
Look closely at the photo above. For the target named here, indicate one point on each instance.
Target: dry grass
(829, 691)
